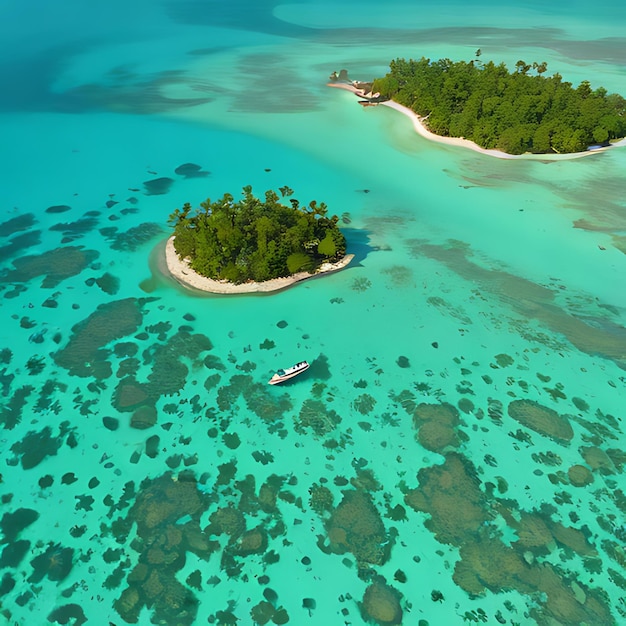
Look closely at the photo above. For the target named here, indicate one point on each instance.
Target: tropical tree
(515, 111)
(254, 239)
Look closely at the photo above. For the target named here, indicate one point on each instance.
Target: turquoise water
(454, 454)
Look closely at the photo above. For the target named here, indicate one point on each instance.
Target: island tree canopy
(256, 239)
(516, 112)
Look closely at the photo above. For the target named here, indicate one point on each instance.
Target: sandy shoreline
(182, 273)
(421, 129)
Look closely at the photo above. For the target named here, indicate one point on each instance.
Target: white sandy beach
(187, 277)
(421, 129)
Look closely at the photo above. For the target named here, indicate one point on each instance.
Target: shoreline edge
(421, 130)
(180, 271)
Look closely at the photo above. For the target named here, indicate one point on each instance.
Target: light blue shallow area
(477, 282)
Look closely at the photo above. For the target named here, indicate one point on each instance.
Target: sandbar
(182, 273)
(421, 129)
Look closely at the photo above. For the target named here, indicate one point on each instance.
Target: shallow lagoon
(453, 455)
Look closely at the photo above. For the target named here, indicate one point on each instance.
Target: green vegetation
(516, 112)
(256, 240)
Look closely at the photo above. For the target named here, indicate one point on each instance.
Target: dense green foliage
(254, 239)
(514, 112)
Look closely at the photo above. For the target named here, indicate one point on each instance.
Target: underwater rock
(227, 520)
(269, 491)
(11, 412)
(110, 423)
(17, 245)
(321, 499)
(16, 224)
(108, 283)
(131, 239)
(58, 208)
(251, 542)
(55, 562)
(403, 362)
(364, 478)
(213, 362)
(364, 403)
(400, 275)
(231, 440)
(572, 538)
(504, 360)
(169, 375)
(78, 228)
(262, 612)
(129, 394)
(441, 412)
(68, 478)
(68, 613)
(54, 265)
(128, 605)
(191, 170)
(128, 367)
(36, 446)
(139, 573)
(316, 415)
(158, 186)
(532, 531)
(84, 502)
(460, 515)
(466, 405)
(579, 475)
(542, 420)
(144, 417)
(381, 603)
(197, 541)
(174, 460)
(356, 526)
(46, 481)
(436, 437)
(152, 446)
(451, 494)
(597, 459)
(164, 499)
(489, 564)
(158, 506)
(7, 584)
(13, 553)
(6, 354)
(85, 354)
(12, 524)
(436, 424)
(125, 349)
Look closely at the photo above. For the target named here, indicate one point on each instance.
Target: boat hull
(289, 373)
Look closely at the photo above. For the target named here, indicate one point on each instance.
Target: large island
(502, 113)
(253, 245)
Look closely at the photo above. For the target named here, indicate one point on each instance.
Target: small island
(253, 245)
(514, 113)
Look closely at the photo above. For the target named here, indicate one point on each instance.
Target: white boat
(290, 372)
